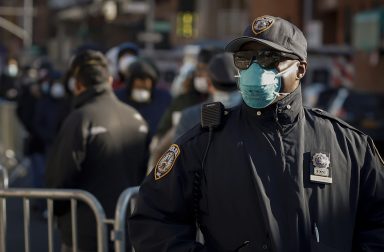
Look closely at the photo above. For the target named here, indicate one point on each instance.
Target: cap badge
(166, 162)
(321, 170)
(262, 24)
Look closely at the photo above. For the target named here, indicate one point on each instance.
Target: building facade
(61, 26)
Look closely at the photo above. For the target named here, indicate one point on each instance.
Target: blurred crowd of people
(45, 96)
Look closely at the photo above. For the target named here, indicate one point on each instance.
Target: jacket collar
(286, 111)
(91, 92)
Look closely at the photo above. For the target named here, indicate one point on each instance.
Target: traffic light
(185, 24)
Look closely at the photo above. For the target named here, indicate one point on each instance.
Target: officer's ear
(302, 69)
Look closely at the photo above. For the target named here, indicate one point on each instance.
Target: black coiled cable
(196, 193)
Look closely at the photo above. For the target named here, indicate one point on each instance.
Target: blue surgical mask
(259, 87)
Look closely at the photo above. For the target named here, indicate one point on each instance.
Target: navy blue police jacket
(283, 178)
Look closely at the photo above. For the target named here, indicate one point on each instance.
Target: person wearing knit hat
(269, 174)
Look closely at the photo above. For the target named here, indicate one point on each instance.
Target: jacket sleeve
(163, 218)
(369, 230)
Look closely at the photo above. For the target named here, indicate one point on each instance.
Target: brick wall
(288, 9)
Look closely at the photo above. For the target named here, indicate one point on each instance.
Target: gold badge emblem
(262, 24)
(166, 162)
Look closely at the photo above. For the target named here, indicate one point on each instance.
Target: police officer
(273, 175)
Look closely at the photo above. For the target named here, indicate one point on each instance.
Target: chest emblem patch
(166, 162)
(321, 171)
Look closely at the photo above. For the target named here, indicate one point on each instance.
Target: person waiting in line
(140, 91)
(222, 87)
(196, 91)
(271, 175)
(51, 109)
(126, 54)
(30, 94)
(33, 90)
(101, 148)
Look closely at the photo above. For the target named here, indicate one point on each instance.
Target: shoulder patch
(166, 162)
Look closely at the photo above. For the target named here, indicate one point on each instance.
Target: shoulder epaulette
(325, 114)
(191, 133)
(197, 130)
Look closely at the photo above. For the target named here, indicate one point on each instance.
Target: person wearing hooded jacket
(119, 59)
(140, 92)
(272, 175)
(102, 148)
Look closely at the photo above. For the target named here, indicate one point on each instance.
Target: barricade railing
(4, 179)
(118, 235)
(50, 195)
(3, 209)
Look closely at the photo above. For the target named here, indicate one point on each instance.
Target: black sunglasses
(267, 59)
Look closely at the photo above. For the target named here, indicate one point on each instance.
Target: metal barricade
(4, 180)
(118, 234)
(3, 210)
(51, 194)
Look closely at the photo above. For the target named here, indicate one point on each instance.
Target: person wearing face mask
(140, 92)
(101, 148)
(196, 91)
(125, 54)
(51, 109)
(271, 175)
(222, 87)
(48, 115)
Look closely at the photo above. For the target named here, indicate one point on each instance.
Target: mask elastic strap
(277, 93)
(238, 74)
(288, 70)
